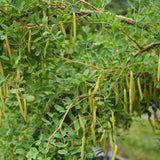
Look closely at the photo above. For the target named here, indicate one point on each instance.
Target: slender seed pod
(4, 83)
(45, 48)
(8, 46)
(150, 90)
(125, 100)
(81, 123)
(110, 136)
(158, 74)
(18, 76)
(0, 118)
(7, 90)
(94, 114)
(127, 82)
(62, 28)
(116, 94)
(102, 135)
(103, 28)
(132, 85)
(104, 144)
(74, 25)
(145, 92)
(25, 109)
(130, 101)
(93, 134)
(2, 100)
(139, 88)
(90, 101)
(42, 65)
(1, 69)
(29, 41)
(71, 33)
(83, 147)
(113, 122)
(114, 152)
(121, 84)
(20, 104)
(97, 83)
(150, 122)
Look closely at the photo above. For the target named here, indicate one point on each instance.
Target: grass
(139, 142)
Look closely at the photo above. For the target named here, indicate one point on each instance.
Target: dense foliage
(71, 71)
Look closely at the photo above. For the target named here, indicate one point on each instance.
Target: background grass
(139, 142)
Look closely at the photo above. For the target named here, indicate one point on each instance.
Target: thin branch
(131, 38)
(3, 11)
(145, 48)
(83, 1)
(59, 127)
(90, 65)
(54, 5)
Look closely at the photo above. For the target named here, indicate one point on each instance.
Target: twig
(131, 38)
(145, 48)
(90, 65)
(3, 11)
(59, 127)
(54, 5)
(90, 5)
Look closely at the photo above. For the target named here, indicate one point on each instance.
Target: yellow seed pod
(8, 46)
(42, 65)
(127, 82)
(110, 136)
(102, 135)
(74, 25)
(130, 101)
(90, 101)
(114, 152)
(62, 28)
(139, 88)
(71, 33)
(116, 94)
(29, 41)
(20, 104)
(125, 100)
(97, 83)
(83, 147)
(0, 118)
(113, 121)
(2, 100)
(145, 92)
(1, 69)
(94, 114)
(93, 134)
(81, 123)
(158, 73)
(150, 90)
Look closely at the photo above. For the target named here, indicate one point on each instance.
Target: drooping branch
(59, 127)
(145, 48)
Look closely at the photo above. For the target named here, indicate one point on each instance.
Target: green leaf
(59, 108)
(20, 151)
(63, 151)
(32, 153)
(60, 144)
(29, 98)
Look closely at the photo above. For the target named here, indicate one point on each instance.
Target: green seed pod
(110, 136)
(93, 134)
(25, 109)
(45, 48)
(150, 90)
(20, 104)
(113, 121)
(132, 85)
(29, 41)
(8, 46)
(139, 89)
(127, 82)
(83, 147)
(74, 25)
(2, 100)
(116, 94)
(114, 152)
(158, 73)
(62, 28)
(130, 101)
(125, 100)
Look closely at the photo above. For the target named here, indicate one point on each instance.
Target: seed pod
(2, 100)
(1, 69)
(83, 147)
(130, 101)
(110, 136)
(42, 65)
(116, 94)
(25, 109)
(125, 100)
(127, 82)
(74, 24)
(103, 28)
(90, 101)
(94, 114)
(8, 46)
(132, 85)
(20, 104)
(45, 48)
(81, 123)
(104, 144)
(71, 33)
(145, 92)
(62, 28)
(150, 122)
(93, 134)
(113, 122)
(150, 90)
(114, 152)
(102, 135)
(158, 74)
(29, 41)
(139, 88)
(0, 118)
(97, 83)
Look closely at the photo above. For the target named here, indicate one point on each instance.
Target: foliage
(57, 59)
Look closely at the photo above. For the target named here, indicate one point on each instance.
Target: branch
(3, 11)
(83, 96)
(90, 65)
(145, 48)
(131, 38)
(83, 1)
